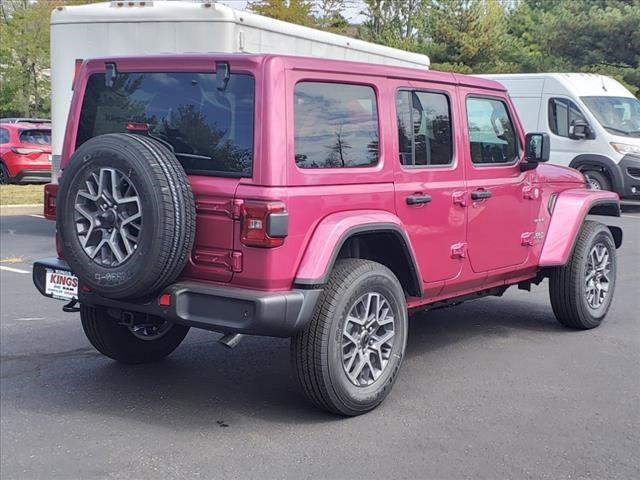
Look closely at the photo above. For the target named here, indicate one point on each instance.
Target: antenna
(604, 87)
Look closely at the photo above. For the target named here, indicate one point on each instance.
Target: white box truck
(593, 122)
(154, 27)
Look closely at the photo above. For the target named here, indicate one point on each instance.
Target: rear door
(429, 183)
(209, 127)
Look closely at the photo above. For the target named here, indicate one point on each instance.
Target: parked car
(25, 153)
(593, 122)
(313, 199)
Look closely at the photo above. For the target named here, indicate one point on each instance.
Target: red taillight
(50, 194)
(26, 151)
(264, 224)
(76, 72)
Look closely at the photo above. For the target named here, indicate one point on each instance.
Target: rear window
(209, 130)
(36, 137)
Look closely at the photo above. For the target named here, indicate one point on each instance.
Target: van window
(562, 112)
(424, 128)
(336, 125)
(209, 130)
(491, 132)
(4, 135)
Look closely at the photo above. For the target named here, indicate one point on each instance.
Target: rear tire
(343, 366)
(582, 290)
(118, 341)
(598, 180)
(126, 215)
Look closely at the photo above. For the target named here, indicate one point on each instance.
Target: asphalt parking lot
(491, 389)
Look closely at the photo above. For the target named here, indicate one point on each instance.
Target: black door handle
(480, 194)
(418, 199)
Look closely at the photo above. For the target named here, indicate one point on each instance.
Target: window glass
(619, 115)
(36, 137)
(209, 130)
(424, 128)
(336, 125)
(4, 135)
(561, 113)
(491, 133)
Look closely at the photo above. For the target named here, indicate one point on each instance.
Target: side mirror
(537, 148)
(580, 130)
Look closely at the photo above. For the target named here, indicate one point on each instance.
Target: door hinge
(228, 208)
(460, 198)
(530, 192)
(459, 250)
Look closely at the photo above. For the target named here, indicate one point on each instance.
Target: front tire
(349, 356)
(598, 180)
(582, 290)
(143, 339)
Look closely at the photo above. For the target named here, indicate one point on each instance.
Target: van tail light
(263, 224)
(76, 72)
(50, 194)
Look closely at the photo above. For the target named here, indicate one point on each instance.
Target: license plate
(61, 284)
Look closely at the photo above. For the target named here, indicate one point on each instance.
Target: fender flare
(569, 212)
(600, 161)
(334, 230)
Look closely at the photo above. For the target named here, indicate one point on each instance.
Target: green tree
(293, 11)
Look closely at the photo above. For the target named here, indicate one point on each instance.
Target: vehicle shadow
(204, 386)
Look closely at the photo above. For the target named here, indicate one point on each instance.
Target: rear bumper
(211, 307)
(30, 175)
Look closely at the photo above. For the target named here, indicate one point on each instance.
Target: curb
(10, 210)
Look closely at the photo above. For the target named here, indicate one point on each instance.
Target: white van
(139, 27)
(593, 122)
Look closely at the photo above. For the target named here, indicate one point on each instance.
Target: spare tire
(125, 215)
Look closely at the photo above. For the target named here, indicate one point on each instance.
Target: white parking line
(36, 216)
(14, 270)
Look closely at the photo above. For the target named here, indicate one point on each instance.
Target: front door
(429, 182)
(500, 207)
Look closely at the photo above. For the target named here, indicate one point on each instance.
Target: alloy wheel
(597, 282)
(108, 217)
(367, 339)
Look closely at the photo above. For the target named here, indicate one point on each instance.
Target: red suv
(312, 199)
(25, 152)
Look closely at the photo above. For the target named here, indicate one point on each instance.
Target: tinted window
(4, 135)
(210, 131)
(336, 125)
(491, 133)
(424, 128)
(561, 113)
(36, 137)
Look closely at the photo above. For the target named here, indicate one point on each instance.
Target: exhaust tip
(231, 340)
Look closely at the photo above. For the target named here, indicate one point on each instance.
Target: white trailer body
(155, 27)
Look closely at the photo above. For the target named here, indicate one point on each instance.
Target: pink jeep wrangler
(312, 199)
